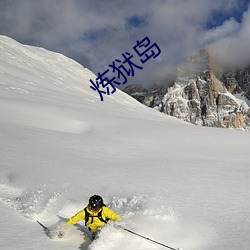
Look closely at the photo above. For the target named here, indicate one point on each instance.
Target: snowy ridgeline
(179, 184)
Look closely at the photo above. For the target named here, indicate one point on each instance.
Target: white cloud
(96, 32)
(233, 50)
(228, 28)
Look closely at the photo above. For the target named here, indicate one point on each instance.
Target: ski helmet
(96, 202)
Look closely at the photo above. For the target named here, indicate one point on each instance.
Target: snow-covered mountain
(182, 185)
(202, 96)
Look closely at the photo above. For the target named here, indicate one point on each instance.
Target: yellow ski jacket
(94, 223)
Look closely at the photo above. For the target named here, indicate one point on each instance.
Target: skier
(95, 214)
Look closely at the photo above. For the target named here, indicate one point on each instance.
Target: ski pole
(146, 238)
(45, 228)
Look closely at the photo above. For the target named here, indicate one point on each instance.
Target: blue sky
(96, 32)
(218, 17)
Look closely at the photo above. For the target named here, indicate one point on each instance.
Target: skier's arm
(77, 217)
(110, 214)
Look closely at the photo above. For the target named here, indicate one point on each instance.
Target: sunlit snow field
(179, 184)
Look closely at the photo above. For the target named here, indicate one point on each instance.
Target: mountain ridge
(201, 95)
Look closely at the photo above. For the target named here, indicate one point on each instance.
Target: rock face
(237, 81)
(201, 97)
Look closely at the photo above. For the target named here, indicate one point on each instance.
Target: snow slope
(176, 183)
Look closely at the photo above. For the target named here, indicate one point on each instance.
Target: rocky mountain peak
(202, 97)
(196, 64)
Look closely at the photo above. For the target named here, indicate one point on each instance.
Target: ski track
(144, 214)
